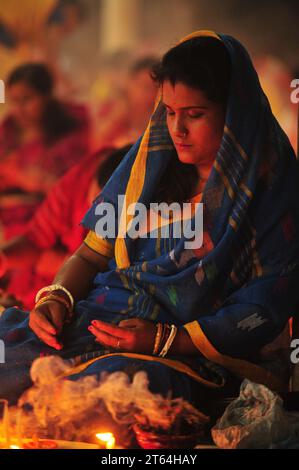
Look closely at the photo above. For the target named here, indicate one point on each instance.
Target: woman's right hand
(47, 322)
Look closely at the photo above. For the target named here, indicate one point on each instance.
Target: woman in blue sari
(197, 319)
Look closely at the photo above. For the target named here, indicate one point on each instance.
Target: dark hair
(201, 63)
(110, 163)
(57, 121)
(35, 75)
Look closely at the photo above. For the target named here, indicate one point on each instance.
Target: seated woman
(115, 124)
(195, 318)
(30, 261)
(40, 140)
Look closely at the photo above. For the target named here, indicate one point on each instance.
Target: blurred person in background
(123, 118)
(54, 233)
(40, 139)
(32, 31)
(276, 80)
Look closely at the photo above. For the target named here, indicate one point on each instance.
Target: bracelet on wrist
(164, 336)
(169, 341)
(158, 338)
(55, 288)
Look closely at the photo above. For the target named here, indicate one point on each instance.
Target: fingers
(58, 312)
(130, 323)
(41, 321)
(48, 339)
(109, 328)
(44, 336)
(43, 327)
(105, 338)
(133, 334)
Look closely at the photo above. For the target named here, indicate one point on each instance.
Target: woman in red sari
(54, 233)
(40, 140)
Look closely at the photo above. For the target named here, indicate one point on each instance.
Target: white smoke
(59, 408)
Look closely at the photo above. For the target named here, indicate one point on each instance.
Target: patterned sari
(233, 295)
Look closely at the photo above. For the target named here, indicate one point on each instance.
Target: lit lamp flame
(106, 439)
(14, 447)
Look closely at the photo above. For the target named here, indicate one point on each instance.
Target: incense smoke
(59, 407)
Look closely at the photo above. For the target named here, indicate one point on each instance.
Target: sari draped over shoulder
(233, 294)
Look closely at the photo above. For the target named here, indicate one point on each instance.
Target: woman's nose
(179, 128)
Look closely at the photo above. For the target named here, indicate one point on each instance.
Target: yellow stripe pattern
(98, 244)
(176, 365)
(239, 367)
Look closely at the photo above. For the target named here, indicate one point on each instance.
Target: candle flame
(107, 438)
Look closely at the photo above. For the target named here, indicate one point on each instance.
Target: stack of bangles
(59, 294)
(164, 338)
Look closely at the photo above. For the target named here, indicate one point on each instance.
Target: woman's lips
(182, 146)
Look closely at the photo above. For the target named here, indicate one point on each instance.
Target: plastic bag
(256, 419)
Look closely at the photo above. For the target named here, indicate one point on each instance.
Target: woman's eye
(195, 116)
(169, 113)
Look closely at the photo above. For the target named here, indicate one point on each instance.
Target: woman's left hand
(134, 335)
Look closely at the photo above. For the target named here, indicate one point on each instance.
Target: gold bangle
(169, 341)
(158, 338)
(56, 298)
(55, 287)
(164, 336)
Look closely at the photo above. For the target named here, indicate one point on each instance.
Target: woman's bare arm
(76, 275)
(78, 272)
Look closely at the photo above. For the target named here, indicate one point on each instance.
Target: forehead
(180, 95)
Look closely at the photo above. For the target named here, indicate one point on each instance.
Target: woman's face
(26, 104)
(194, 122)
